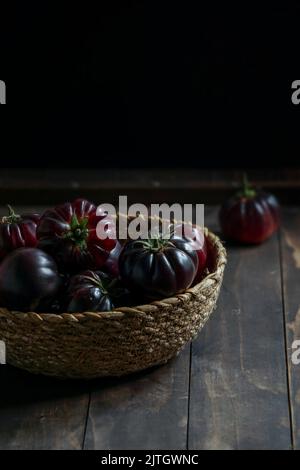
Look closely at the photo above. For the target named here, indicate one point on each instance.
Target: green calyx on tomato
(250, 217)
(105, 284)
(158, 267)
(78, 232)
(68, 232)
(95, 291)
(247, 191)
(154, 244)
(12, 217)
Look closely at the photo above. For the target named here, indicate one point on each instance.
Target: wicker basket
(87, 345)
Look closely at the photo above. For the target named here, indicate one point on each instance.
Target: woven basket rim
(117, 313)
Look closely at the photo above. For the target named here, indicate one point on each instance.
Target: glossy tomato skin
(198, 240)
(55, 303)
(250, 220)
(17, 231)
(28, 276)
(88, 291)
(69, 233)
(158, 273)
(111, 265)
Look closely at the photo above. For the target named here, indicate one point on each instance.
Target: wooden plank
(290, 245)
(239, 397)
(145, 411)
(144, 178)
(148, 410)
(41, 413)
(50, 186)
(238, 388)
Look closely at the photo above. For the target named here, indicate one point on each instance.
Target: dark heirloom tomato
(112, 263)
(17, 231)
(28, 276)
(199, 244)
(56, 303)
(157, 268)
(90, 291)
(68, 232)
(251, 216)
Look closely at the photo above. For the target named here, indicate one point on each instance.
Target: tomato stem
(247, 190)
(96, 280)
(154, 244)
(12, 217)
(78, 232)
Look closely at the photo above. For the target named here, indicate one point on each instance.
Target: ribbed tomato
(69, 233)
(17, 231)
(95, 291)
(88, 292)
(111, 265)
(198, 240)
(251, 216)
(158, 267)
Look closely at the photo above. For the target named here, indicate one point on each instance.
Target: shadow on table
(20, 387)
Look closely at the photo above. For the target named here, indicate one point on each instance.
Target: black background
(150, 84)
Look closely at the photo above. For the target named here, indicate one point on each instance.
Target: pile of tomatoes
(56, 262)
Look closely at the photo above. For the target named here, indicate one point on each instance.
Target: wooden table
(235, 387)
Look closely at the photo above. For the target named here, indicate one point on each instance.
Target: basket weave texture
(88, 345)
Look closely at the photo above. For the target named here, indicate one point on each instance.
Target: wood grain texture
(290, 245)
(143, 411)
(38, 412)
(41, 413)
(238, 394)
(143, 178)
(238, 384)
(147, 185)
